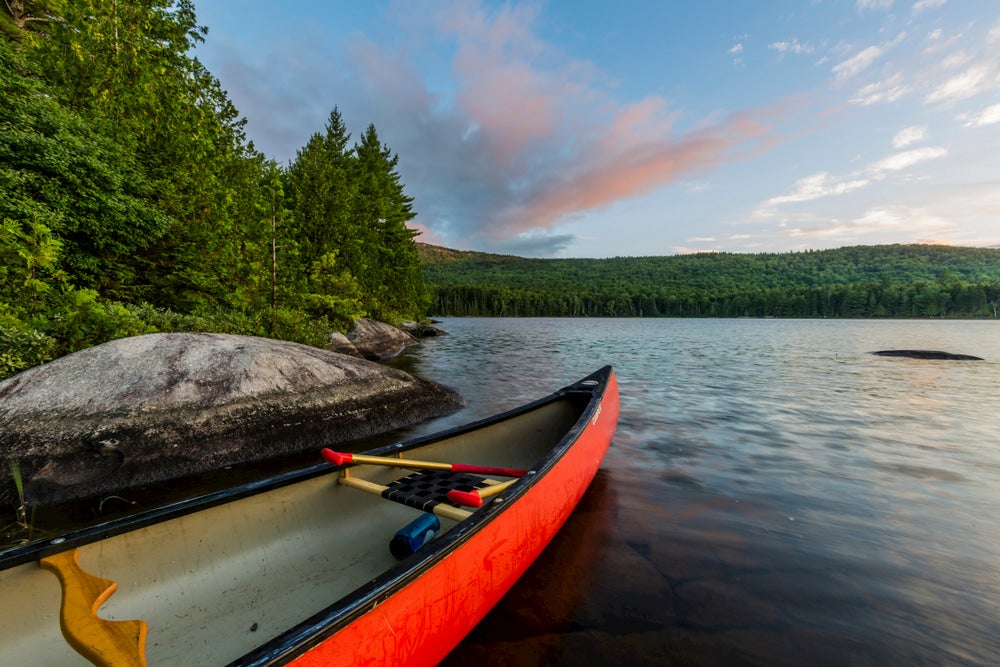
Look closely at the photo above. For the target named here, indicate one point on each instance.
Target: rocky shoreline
(150, 409)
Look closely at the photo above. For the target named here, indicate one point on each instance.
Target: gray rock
(342, 344)
(420, 330)
(378, 340)
(158, 407)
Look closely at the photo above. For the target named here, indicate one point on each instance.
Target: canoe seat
(425, 489)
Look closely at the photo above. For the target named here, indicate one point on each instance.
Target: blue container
(414, 535)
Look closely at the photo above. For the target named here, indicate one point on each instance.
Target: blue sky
(582, 128)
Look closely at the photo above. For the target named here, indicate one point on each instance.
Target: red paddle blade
(465, 498)
(336, 458)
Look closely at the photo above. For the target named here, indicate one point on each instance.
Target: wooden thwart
(446, 511)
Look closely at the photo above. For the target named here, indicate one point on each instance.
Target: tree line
(900, 281)
(131, 200)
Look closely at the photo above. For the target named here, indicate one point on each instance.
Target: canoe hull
(421, 623)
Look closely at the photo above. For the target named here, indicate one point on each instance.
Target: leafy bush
(22, 347)
(79, 320)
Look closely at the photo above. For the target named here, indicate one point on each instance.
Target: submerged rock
(926, 354)
(158, 407)
(421, 330)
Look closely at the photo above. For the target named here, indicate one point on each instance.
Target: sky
(588, 128)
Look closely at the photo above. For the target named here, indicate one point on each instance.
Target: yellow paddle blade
(102, 642)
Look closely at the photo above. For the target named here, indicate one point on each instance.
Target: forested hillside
(131, 200)
(861, 281)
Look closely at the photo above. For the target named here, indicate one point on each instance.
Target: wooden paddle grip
(102, 642)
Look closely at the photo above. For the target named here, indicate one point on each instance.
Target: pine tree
(320, 195)
(394, 278)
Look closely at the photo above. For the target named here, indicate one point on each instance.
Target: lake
(774, 495)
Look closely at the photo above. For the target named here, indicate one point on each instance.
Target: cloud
(909, 135)
(528, 140)
(817, 186)
(988, 116)
(865, 58)
(864, 5)
(736, 51)
(857, 63)
(794, 46)
(823, 184)
(535, 245)
(906, 159)
(922, 5)
(426, 235)
(969, 83)
(891, 221)
(886, 90)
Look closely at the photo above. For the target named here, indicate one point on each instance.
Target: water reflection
(776, 494)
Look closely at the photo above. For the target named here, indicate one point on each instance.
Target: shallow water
(774, 494)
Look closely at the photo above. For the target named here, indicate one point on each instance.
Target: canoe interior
(216, 583)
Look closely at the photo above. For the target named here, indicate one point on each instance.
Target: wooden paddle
(344, 458)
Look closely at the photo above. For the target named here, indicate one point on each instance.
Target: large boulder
(158, 407)
(378, 340)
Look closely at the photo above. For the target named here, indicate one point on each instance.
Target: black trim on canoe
(314, 630)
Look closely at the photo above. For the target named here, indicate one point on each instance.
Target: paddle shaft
(344, 458)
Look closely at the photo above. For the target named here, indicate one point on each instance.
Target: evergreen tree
(320, 194)
(72, 176)
(393, 279)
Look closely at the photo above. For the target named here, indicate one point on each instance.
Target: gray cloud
(535, 245)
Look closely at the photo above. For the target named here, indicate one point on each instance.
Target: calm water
(774, 494)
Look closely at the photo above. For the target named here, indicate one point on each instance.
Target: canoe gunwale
(314, 630)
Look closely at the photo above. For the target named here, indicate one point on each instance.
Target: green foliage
(74, 178)
(28, 256)
(864, 281)
(335, 294)
(300, 327)
(79, 319)
(391, 273)
(21, 348)
(131, 201)
(350, 205)
(28, 19)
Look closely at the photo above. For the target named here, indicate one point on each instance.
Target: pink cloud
(559, 144)
(636, 155)
(426, 234)
(513, 106)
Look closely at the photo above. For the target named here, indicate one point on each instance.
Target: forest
(902, 281)
(131, 200)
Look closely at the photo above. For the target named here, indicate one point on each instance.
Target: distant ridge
(855, 281)
(435, 254)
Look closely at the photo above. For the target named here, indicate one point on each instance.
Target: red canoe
(298, 569)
